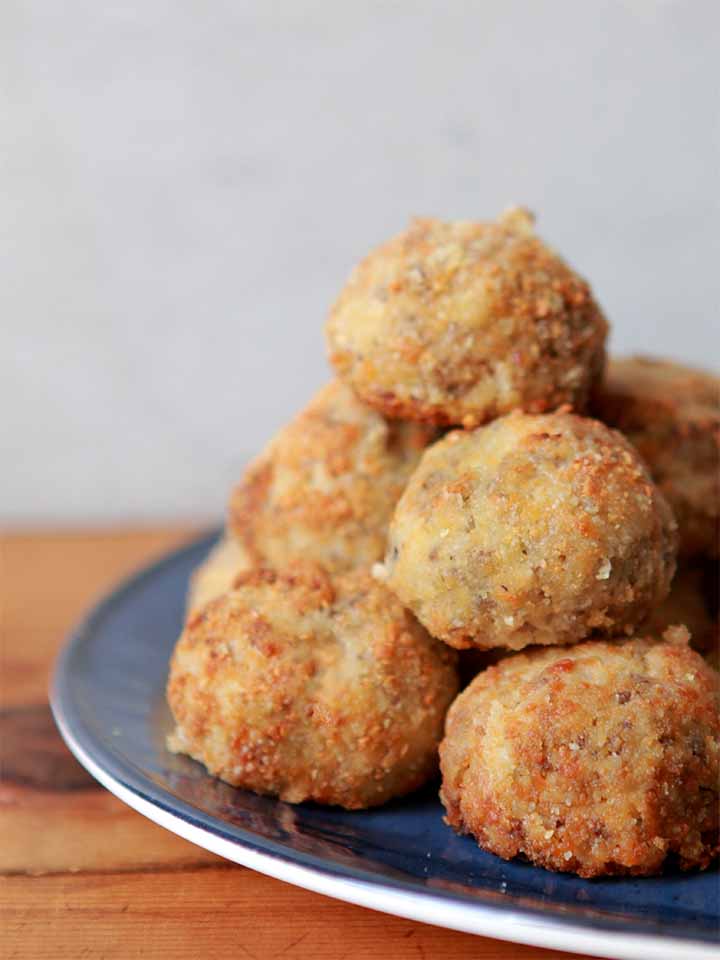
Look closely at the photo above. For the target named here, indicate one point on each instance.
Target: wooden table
(85, 876)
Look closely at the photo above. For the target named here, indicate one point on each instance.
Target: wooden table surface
(83, 875)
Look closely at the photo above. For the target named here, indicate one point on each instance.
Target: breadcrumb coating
(672, 415)
(311, 688)
(531, 530)
(598, 759)
(217, 573)
(325, 487)
(457, 323)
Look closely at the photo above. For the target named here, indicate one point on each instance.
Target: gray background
(184, 187)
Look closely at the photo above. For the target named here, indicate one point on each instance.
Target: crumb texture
(325, 487)
(457, 323)
(311, 688)
(599, 759)
(672, 415)
(531, 530)
(217, 573)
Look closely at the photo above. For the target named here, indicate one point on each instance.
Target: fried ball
(457, 323)
(217, 573)
(598, 759)
(325, 487)
(531, 530)
(311, 688)
(672, 415)
(689, 603)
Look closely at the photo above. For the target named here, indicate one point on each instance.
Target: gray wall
(185, 186)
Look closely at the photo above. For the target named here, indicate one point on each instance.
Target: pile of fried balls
(483, 546)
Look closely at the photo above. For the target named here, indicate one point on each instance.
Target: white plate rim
(478, 919)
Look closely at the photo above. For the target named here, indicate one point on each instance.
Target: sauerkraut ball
(325, 487)
(457, 323)
(217, 573)
(311, 688)
(598, 759)
(535, 529)
(672, 415)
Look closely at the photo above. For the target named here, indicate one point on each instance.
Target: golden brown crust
(531, 530)
(325, 487)
(216, 575)
(311, 687)
(457, 323)
(598, 759)
(672, 415)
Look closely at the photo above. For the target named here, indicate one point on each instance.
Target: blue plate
(109, 703)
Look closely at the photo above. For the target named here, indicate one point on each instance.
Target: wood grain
(54, 817)
(220, 911)
(47, 581)
(84, 876)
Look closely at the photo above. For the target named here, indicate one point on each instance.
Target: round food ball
(311, 688)
(326, 486)
(457, 323)
(672, 415)
(531, 530)
(598, 759)
(217, 573)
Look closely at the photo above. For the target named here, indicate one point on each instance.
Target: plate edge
(423, 908)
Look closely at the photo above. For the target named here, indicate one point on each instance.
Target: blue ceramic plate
(109, 704)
